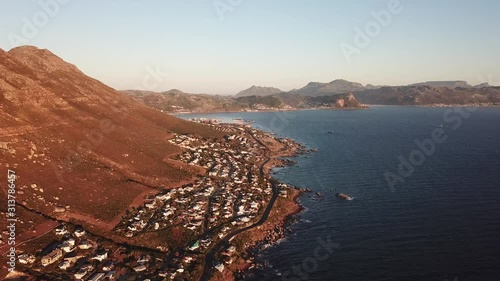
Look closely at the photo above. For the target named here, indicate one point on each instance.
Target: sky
(225, 46)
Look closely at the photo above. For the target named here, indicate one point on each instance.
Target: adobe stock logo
(223, 6)
(452, 121)
(321, 253)
(31, 27)
(363, 37)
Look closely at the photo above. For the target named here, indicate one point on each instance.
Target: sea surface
(441, 223)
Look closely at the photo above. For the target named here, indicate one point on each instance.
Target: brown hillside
(83, 144)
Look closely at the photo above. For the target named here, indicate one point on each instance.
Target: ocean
(425, 183)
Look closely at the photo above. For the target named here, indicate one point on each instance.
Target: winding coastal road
(210, 256)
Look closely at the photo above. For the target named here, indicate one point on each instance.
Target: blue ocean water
(441, 223)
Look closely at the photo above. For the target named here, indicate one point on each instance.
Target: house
(150, 205)
(172, 275)
(167, 213)
(110, 275)
(284, 193)
(219, 267)
(26, 259)
(79, 232)
(244, 219)
(96, 277)
(195, 246)
(163, 197)
(229, 260)
(231, 249)
(140, 268)
(68, 248)
(143, 259)
(80, 273)
(163, 273)
(52, 257)
(241, 210)
(87, 266)
(70, 241)
(68, 245)
(85, 245)
(61, 230)
(64, 265)
(72, 257)
(108, 266)
(100, 255)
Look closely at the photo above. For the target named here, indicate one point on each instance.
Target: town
(187, 232)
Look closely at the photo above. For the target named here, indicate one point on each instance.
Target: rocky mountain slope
(338, 86)
(449, 84)
(335, 101)
(81, 149)
(175, 101)
(178, 101)
(430, 96)
(258, 91)
(432, 93)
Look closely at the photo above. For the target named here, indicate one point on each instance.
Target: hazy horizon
(223, 47)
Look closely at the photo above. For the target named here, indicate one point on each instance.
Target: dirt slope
(78, 144)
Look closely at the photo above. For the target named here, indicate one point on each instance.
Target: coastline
(281, 217)
(276, 228)
(264, 110)
(268, 227)
(437, 105)
(263, 231)
(365, 106)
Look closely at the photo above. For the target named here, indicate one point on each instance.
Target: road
(210, 256)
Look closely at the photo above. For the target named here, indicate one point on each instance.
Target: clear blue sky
(280, 43)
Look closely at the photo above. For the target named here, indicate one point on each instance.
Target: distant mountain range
(174, 101)
(451, 84)
(298, 101)
(424, 95)
(341, 86)
(448, 84)
(335, 94)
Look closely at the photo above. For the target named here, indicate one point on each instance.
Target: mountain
(338, 86)
(182, 102)
(82, 151)
(296, 101)
(335, 101)
(176, 101)
(449, 84)
(258, 91)
(430, 96)
(442, 93)
(483, 85)
(372, 87)
(426, 93)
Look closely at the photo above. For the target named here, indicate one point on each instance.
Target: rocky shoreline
(255, 250)
(279, 222)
